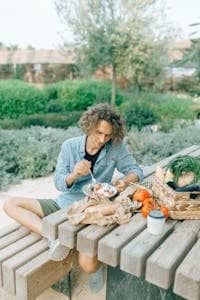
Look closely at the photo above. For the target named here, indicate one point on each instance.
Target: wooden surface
(138, 252)
(171, 259)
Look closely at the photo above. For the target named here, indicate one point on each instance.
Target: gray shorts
(48, 206)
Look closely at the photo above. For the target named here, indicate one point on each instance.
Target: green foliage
(18, 98)
(138, 115)
(20, 71)
(183, 164)
(80, 94)
(148, 108)
(30, 152)
(48, 120)
(149, 148)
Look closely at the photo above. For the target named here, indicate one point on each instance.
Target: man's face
(101, 134)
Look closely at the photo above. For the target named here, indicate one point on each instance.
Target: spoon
(94, 181)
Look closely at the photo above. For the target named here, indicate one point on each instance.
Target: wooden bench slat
(87, 238)
(13, 236)
(135, 253)
(40, 273)
(50, 224)
(109, 246)
(9, 266)
(161, 265)
(9, 228)
(187, 278)
(68, 233)
(15, 247)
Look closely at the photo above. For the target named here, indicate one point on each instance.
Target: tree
(115, 33)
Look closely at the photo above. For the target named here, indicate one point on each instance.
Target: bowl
(102, 189)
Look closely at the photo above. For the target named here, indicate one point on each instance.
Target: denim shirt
(111, 156)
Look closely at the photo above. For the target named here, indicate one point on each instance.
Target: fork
(94, 181)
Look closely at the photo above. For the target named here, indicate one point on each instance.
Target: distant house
(37, 66)
(46, 66)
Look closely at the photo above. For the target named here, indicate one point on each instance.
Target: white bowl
(102, 189)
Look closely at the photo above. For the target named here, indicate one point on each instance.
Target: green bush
(48, 120)
(80, 94)
(18, 98)
(139, 115)
(165, 107)
(148, 148)
(31, 152)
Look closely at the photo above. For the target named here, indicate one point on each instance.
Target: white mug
(155, 221)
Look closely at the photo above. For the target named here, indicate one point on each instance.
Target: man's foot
(58, 251)
(96, 280)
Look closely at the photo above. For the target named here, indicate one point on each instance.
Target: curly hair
(106, 112)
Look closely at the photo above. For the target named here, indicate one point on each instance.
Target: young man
(101, 150)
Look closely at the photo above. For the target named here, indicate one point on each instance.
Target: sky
(35, 22)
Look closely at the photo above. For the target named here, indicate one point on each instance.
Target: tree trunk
(113, 95)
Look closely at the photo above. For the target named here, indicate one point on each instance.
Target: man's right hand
(80, 169)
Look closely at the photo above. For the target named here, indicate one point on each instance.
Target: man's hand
(121, 184)
(80, 169)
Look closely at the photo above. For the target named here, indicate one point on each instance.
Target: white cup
(155, 221)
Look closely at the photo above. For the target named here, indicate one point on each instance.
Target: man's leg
(26, 211)
(87, 263)
(96, 270)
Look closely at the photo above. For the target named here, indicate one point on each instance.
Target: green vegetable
(183, 164)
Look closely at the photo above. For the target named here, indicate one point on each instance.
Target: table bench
(168, 261)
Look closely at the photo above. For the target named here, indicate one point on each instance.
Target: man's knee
(88, 264)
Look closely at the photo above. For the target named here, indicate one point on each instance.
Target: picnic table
(139, 265)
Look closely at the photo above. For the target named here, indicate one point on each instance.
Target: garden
(34, 123)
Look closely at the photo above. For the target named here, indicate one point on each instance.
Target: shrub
(165, 107)
(80, 94)
(31, 152)
(138, 114)
(18, 98)
(149, 148)
(48, 120)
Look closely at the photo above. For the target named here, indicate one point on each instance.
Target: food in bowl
(102, 189)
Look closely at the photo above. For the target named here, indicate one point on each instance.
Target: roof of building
(176, 49)
(21, 56)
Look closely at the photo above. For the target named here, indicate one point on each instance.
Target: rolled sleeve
(127, 164)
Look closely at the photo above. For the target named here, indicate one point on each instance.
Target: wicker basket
(180, 204)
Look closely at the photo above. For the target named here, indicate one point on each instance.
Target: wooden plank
(161, 265)
(15, 262)
(67, 233)
(9, 228)
(13, 236)
(87, 238)
(187, 278)
(50, 224)
(109, 247)
(135, 253)
(149, 170)
(40, 273)
(15, 247)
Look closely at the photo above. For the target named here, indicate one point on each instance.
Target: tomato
(146, 210)
(141, 194)
(165, 211)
